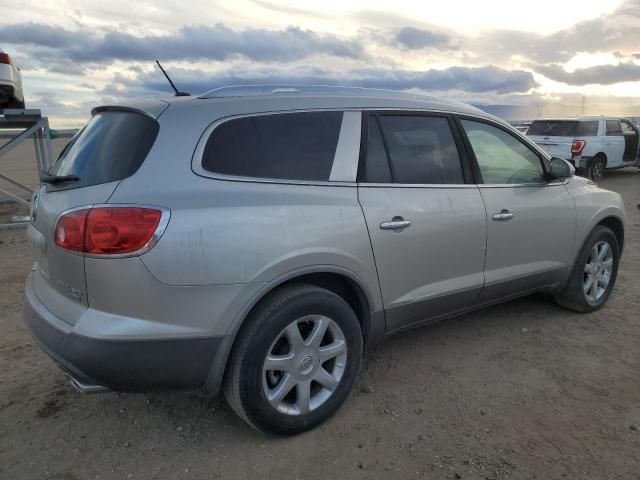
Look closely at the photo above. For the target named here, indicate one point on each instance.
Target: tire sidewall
(256, 406)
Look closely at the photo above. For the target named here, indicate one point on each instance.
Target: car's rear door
(425, 216)
(531, 222)
(614, 143)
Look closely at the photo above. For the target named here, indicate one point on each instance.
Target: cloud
(413, 38)
(482, 79)
(218, 42)
(31, 33)
(617, 31)
(599, 74)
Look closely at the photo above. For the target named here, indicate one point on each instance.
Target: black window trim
(543, 157)
(197, 156)
(368, 114)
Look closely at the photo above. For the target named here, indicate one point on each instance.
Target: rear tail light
(5, 58)
(110, 230)
(578, 146)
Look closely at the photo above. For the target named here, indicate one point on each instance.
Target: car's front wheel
(594, 273)
(295, 360)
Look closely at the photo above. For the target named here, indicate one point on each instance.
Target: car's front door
(531, 222)
(425, 216)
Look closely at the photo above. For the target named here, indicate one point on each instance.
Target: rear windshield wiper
(46, 177)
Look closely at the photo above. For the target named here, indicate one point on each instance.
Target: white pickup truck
(592, 144)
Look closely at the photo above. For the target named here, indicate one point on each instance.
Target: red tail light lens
(5, 58)
(107, 230)
(578, 146)
(69, 232)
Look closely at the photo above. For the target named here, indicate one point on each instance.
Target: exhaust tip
(84, 387)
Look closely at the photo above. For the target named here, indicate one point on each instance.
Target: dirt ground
(520, 391)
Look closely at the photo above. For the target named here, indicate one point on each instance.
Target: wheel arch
(338, 280)
(603, 156)
(616, 225)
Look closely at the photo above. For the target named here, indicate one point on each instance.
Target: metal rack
(32, 125)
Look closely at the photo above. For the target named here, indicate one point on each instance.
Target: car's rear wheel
(295, 360)
(596, 170)
(594, 274)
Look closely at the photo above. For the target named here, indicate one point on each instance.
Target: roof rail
(266, 90)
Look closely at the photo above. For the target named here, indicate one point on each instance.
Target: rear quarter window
(111, 147)
(287, 146)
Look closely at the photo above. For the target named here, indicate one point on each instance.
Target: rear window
(112, 146)
(564, 128)
(288, 146)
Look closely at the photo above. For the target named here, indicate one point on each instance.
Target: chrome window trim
(419, 185)
(196, 159)
(198, 169)
(155, 238)
(521, 185)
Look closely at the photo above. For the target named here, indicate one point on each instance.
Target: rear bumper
(120, 364)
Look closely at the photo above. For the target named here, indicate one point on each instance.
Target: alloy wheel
(597, 271)
(304, 365)
(597, 171)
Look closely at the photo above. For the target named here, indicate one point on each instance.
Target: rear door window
(288, 146)
(412, 149)
(613, 128)
(111, 147)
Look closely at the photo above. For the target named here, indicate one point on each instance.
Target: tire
(595, 171)
(575, 295)
(255, 392)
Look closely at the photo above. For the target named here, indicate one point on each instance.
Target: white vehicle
(591, 144)
(11, 95)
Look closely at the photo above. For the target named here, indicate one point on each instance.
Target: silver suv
(258, 239)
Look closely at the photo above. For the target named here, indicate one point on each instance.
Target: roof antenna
(178, 92)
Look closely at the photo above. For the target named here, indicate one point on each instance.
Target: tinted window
(564, 128)
(502, 158)
(111, 147)
(293, 146)
(587, 129)
(377, 164)
(613, 128)
(553, 128)
(421, 150)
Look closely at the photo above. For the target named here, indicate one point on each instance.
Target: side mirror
(560, 168)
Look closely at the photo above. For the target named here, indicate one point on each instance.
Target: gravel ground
(521, 390)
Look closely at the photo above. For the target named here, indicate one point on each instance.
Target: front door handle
(503, 216)
(397, 224)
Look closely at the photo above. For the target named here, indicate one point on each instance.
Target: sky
(516, 59)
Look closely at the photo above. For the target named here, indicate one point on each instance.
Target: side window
(288, 146)
(613, 128)
(377, 164)
(502, 158)
(587, 129)
(627, 129)
(421, 150)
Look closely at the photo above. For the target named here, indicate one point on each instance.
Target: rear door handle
(397, 224)
(503, 216)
